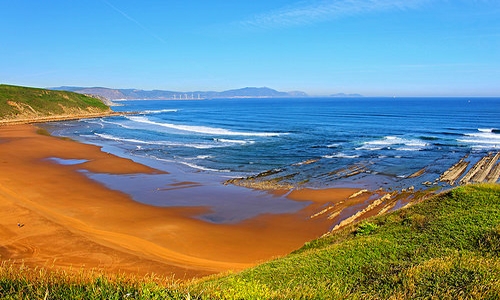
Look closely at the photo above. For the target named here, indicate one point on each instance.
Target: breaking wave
(201, 129)
(483, 139)
(163, 143)
(394, 142)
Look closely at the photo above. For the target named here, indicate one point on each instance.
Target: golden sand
(52, 215)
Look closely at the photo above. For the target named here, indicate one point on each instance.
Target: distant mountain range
(342, 95)
(135, 94)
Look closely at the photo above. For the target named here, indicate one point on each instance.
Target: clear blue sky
(372, 47)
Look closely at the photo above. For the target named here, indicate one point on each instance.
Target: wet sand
(52, 215)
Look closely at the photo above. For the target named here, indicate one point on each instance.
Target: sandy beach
(53, 215)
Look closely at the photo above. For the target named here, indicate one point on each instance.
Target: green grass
(21, 282)
(447, 247)
(42, 102)
(444, 248)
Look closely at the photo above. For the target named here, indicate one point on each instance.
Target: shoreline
(71, 221)
(18, 121)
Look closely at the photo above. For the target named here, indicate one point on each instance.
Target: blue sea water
(388, 138)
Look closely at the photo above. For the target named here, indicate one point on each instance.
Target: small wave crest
(201, 129)
(394, 142)
(333, 145)
(483, 139)
(163, 143)
(118, 139)
(204, 156)
(191, 165)
(340, 155)
(240, 142)
(489, 130)
(159, 111)
(122, 125)
(195, 166)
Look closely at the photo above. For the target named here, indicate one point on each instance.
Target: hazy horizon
(333, 95)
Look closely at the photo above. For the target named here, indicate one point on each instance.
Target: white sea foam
(241, 142)
(486, 130)
(485, 147)
(484, 139)
(488, 138)
(118, 139)
(396, 143)
(117, 124)
(164, 143)
(340, 155)
(194, 166)
(191, 165)
(93, 121)
(204, 156)
(159, 111)
(410, 148)
(200, 129)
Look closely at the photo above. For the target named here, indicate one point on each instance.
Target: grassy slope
(447, 247)
(34, 102)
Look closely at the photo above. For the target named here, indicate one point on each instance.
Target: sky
(321, 47)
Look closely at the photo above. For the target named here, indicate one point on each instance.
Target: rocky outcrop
(485, 169)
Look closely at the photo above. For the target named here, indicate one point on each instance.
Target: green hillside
(23, 103)
(447, 247)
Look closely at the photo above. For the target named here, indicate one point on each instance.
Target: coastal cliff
(29, 105)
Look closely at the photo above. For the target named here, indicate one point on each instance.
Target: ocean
(310, 142)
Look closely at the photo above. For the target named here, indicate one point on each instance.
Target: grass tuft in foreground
(21, 282)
